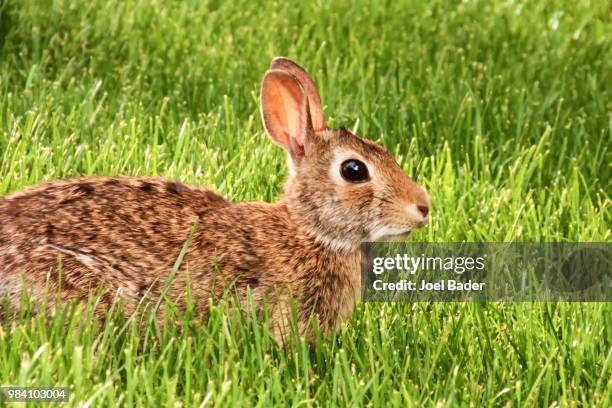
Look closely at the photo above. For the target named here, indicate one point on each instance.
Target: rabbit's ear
(284, 109)
(314, 100)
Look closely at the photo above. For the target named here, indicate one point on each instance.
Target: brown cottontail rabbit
(125, 233)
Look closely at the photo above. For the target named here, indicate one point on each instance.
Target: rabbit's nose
(423, 209)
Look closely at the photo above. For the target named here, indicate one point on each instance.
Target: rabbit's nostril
(423, 209)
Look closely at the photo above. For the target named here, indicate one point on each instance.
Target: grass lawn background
(502, 109)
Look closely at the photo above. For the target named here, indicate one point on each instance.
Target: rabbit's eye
(354, 171)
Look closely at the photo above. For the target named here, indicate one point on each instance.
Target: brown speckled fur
(124, 234)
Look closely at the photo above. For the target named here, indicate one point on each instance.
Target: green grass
(502, 108)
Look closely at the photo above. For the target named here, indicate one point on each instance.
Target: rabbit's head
(341, 189)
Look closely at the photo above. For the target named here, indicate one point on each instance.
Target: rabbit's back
(115, 226)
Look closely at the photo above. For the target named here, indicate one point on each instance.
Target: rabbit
(124, 234)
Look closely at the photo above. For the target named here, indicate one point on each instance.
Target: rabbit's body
(124, 234)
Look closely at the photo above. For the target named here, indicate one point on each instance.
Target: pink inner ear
(284, 109)
(293, 112)
(317, 118)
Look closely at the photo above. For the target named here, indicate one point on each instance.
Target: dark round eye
(354, 171)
